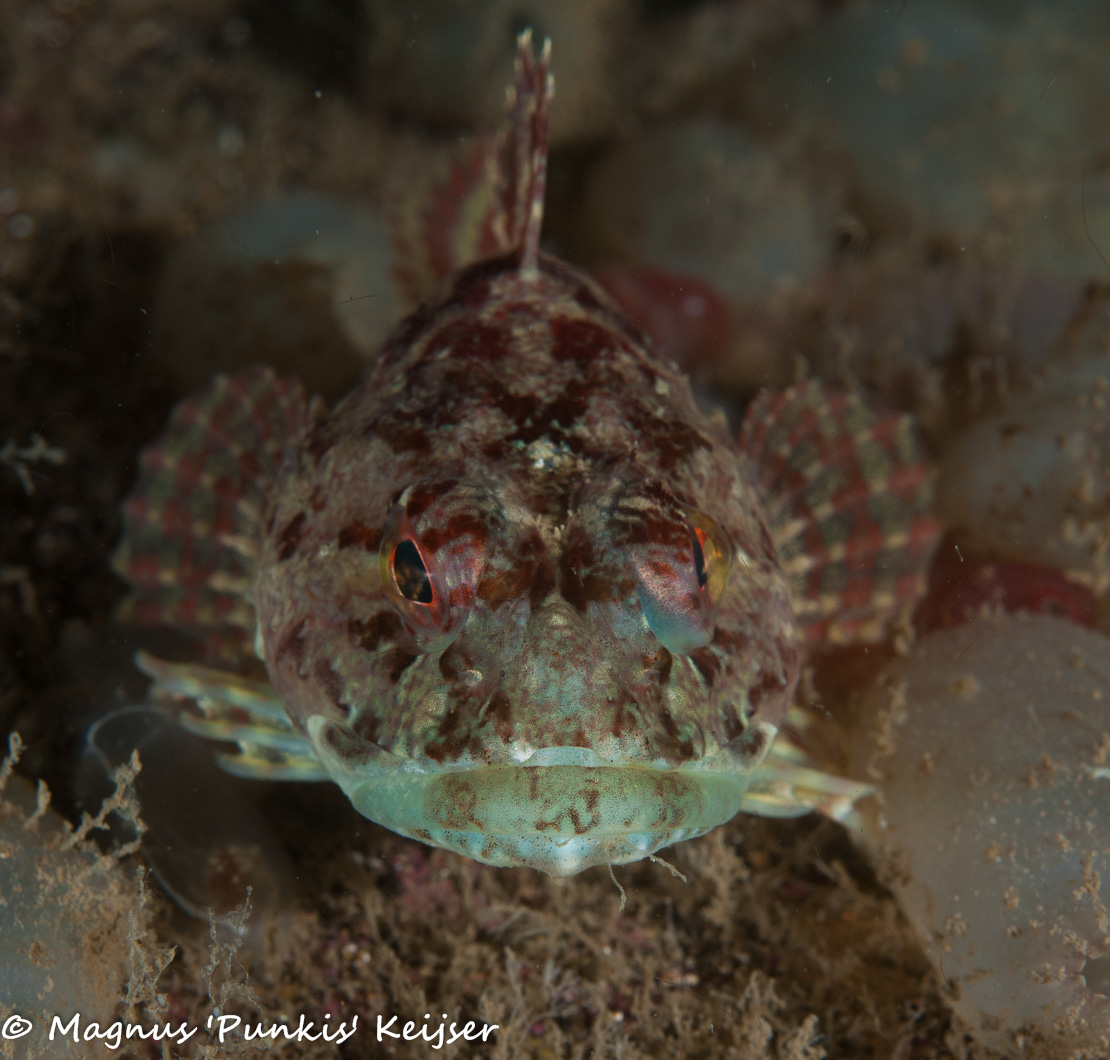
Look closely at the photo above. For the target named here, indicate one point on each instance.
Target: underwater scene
(555, 529)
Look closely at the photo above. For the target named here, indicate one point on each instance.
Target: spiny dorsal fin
(522, 152)
(483, 200)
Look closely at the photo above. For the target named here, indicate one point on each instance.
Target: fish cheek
(383, 628)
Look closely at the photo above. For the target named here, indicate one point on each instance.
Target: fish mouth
(559, 819)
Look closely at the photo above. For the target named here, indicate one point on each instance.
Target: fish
(517, 594)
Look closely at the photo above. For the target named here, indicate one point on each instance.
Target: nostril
(658, 664)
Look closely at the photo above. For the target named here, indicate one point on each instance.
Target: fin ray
(522, 154)
(483, 200)
(240, 710)
(848, 498)
(194, 510)
(789, 783)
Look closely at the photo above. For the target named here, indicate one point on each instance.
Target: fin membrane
(787, 783)
(483, 200)
(848, 498)
(784, 788)
(239, 710)
(443, 221)
(191, 523)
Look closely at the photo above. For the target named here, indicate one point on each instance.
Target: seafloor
(905, 198)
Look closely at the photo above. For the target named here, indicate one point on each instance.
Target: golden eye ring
(712, 554)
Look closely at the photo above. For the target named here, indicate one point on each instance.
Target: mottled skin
(537, 452)
(516, 594)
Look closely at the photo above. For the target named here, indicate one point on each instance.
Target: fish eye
(414, 582)
(681, 578)
(712, 553)
(410, 573)
(431, 557)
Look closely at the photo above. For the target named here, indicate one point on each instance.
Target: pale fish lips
(559, 817)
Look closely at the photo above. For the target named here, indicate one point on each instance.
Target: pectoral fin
(239, 710)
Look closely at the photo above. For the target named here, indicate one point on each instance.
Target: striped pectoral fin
(239, 710)
(192, 520)
(260, 761)
(849, 498)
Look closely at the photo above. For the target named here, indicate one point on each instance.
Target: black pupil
(410, 574)
(699, 562)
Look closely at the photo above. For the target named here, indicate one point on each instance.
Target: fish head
(534, 682)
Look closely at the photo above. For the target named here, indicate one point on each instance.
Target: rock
(1032, 482)
(973, 122)
(701, 199)
(65, 937)
(990, 744)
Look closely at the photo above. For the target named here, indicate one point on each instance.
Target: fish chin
(561, 810)
(559, 818)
